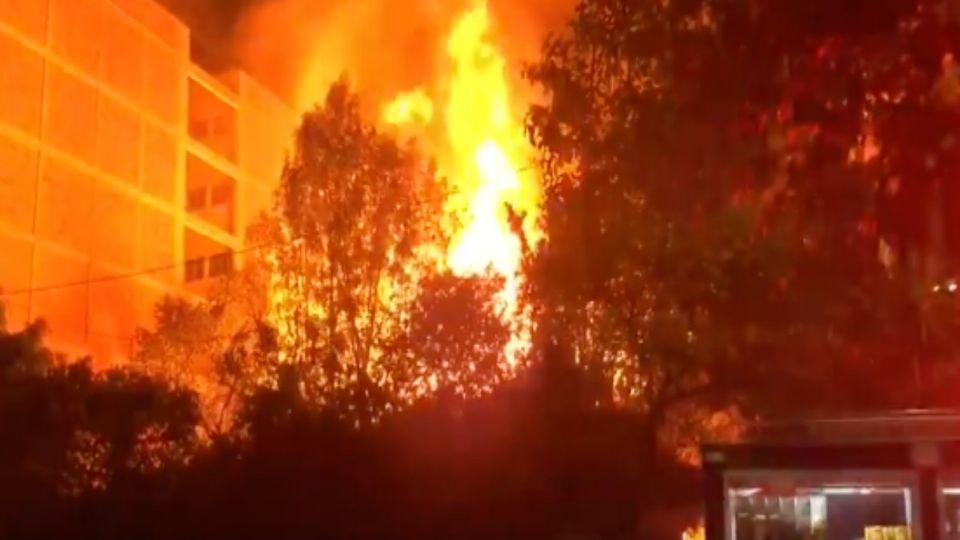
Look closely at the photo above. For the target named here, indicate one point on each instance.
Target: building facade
(127, 172)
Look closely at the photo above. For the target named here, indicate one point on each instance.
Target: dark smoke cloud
(298, 47)
(213, 25)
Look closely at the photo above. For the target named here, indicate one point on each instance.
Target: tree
(186, 340)
(713, 180)
(70, 434)
(457, 336)
(356, 289)
(222, 346)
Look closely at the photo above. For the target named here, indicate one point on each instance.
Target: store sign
(881, 429)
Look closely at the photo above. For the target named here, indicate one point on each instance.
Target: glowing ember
(483, 157)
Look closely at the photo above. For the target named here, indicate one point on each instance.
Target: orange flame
(465, 121)
(484, 155)
(413, 106)
(695, 533)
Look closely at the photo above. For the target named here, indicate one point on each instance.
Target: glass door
(840, 505)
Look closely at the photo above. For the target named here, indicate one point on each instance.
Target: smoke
(299, 47)
(212, 24)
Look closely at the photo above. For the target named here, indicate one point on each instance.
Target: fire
(484, 156)
(413, 106)
(695, 533)
(466, 121)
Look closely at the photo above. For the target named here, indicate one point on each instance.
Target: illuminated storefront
(881, 478)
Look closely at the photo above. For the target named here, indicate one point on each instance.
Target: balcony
(206, 259)
(211, 194)
(213, 117)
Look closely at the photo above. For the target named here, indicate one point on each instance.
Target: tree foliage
(117, 455)
(456, 335)
(222, 346)
(70, 433)
(361, 218)
(717, 177)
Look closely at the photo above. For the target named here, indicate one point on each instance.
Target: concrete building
(126, 171)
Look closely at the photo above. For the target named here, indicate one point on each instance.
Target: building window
(197, 198)
(198, 128)
(221, 264)
(221, 193)
(221, 125)
(194, 270)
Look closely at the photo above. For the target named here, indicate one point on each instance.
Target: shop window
(950, 509)
(819, 508)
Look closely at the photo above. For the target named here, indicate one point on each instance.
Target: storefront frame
(931, 459)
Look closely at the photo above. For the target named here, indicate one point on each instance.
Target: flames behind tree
(483, 155)
(300, 47)
(469, 124)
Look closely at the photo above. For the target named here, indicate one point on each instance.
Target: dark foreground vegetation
(117, 455)
(751, 210)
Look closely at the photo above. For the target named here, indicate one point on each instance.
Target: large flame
(485, 158)
(413, 106)
(466, 121)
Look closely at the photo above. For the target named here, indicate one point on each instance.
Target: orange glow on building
(131, 173)
(128, 172)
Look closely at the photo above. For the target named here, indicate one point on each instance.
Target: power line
(138, 273)
(214, 338)
(120, 277)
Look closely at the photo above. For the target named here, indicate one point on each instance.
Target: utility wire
(121, 277)
(138, 273)
(215, 338)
